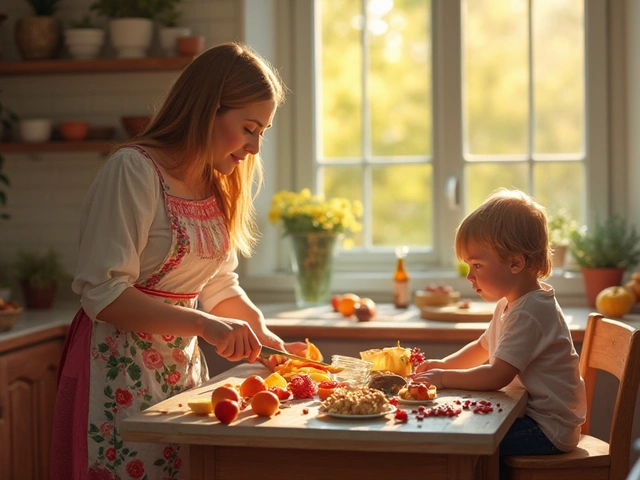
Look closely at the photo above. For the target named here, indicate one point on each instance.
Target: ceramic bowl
(34, 130)
(74, 130)
(135, 125)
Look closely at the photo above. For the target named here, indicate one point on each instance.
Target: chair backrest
(614, 347)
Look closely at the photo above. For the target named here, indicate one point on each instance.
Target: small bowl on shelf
(190, 45)
(9, 314)
(35, 130)
(74, 130)
(134, 126)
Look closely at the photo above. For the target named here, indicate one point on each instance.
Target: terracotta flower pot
(597, 279)
(191, 45)
(38, 298)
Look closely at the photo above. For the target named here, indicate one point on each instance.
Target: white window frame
(283, 30)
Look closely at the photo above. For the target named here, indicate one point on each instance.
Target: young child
(527, 344)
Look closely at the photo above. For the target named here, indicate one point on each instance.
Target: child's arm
(471, 355)
(483, 377)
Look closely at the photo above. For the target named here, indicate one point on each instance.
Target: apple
(227, 411)
(365, 309)
(335, 301)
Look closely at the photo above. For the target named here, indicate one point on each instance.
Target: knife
(266, 352)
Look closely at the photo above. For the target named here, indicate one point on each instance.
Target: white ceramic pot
(131, 37)
(168, 37)
(84, 43)
(34, 130)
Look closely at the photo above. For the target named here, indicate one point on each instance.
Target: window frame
(293, 43)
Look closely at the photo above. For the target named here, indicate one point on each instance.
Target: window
(423, 107)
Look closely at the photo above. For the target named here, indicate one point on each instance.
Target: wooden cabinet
(27, 397)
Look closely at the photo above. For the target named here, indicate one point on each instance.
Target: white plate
(390, 409)
(414, 402)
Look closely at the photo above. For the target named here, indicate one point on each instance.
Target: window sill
(278, 287)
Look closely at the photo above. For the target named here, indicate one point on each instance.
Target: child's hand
(433, 376)
(428, 365)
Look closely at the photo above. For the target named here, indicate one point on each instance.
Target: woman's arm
(134, 310)
(240, 306)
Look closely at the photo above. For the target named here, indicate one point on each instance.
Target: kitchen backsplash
(47, 188)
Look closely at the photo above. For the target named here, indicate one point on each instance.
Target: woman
(160, 228)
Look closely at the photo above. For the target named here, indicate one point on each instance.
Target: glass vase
(312, 263)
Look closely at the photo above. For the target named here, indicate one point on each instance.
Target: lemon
(275, 380)
(320, 377)
(201, 405)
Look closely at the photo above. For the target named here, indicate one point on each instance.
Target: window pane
(496, 76)
(341, 78)
(400, 77)
(558, 65)
(552, 179)
(344, 182)
(483, 178)
(402, 205)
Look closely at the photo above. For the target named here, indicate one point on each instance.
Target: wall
(47, 189)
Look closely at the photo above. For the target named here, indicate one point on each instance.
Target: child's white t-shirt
(531, 334)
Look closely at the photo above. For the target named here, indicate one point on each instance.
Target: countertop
(317, 323)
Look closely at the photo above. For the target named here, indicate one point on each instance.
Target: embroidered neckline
(165, 187)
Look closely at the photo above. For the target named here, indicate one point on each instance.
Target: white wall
(47, 189)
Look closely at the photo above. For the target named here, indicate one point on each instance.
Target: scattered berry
(401, 416)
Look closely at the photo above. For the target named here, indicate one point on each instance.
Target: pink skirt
(69, 439)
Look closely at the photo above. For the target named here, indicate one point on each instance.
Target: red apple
(365, 309)
(335, 301)
(227, 411)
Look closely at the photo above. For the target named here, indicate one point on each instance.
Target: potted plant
(560, 228)
(38, 37)
(84, 38)
(604, 253)
(39, 275)
(131, 23)
(170, 31)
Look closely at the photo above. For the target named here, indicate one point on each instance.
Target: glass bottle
(401, 280)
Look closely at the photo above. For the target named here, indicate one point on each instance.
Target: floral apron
(129, 371)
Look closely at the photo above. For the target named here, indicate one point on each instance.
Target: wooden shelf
(59, 146)
(99, 65)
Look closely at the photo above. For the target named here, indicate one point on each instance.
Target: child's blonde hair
(509, 222)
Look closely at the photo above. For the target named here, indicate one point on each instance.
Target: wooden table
(313, 446)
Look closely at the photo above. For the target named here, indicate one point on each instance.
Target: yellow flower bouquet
(303, 213)
(314, 226)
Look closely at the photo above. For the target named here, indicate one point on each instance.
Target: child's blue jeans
(525, 437)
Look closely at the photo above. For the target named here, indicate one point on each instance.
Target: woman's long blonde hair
(230, 75)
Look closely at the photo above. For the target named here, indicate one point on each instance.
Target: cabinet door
(27, 398)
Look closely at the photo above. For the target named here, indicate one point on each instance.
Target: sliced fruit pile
(291, 379)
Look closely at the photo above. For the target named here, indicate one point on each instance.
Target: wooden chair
(614, 347)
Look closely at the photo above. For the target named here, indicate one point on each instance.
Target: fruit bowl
(9, 317)
(439, 296)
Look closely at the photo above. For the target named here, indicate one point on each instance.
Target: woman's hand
(270, 339)
(233, 339)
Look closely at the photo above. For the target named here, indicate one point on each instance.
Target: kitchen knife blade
(266, 352)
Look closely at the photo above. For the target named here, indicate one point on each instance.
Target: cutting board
(478, 312)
